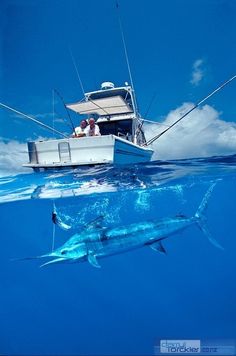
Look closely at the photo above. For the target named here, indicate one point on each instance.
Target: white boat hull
(85, 151)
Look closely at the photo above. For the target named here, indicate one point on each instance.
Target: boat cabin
(115, 111)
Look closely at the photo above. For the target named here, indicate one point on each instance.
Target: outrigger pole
(77, 72)
(149, 142)
(126, 56)
(34, 120)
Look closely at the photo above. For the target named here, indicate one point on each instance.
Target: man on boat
(80, 130)
(92, 129)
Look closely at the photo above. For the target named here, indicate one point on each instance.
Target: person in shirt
(92, 129)
(80, 130)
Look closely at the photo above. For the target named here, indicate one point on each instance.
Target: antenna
(77, 72)
(126, 53)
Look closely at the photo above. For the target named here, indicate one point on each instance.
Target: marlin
(95, 241)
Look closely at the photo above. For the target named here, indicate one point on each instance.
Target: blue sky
(167, 42)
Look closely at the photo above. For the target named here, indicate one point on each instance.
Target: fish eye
(63, 252)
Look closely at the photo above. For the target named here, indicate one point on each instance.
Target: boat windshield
(121, 128)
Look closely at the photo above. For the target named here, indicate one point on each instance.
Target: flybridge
(106, 102)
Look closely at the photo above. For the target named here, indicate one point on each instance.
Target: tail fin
(200, 213)
(201, 218)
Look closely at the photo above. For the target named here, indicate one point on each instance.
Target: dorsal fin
(94, 224)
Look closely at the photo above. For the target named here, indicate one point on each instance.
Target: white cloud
(201, 134)
(12, 155)
(198, 72)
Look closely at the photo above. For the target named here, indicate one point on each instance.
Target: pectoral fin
(93, 261)
(157, 246)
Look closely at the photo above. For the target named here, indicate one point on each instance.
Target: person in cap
(92, 129)
(80, 130)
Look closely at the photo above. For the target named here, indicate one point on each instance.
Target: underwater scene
(124, 257)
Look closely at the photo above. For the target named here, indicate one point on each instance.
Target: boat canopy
(104, 106)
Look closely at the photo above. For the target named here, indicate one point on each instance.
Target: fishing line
(53, 236)
(150, 105)
(67, 111)
(146, 113)
(64, 120)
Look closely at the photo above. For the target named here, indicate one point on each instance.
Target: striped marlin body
(95, 242)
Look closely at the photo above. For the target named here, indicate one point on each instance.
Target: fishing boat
(122, 139)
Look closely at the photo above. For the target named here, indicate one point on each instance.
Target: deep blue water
(136, 298)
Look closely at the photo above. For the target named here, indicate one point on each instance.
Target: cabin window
(122, 128)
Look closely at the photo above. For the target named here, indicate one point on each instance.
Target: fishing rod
(67, 111)
(153, 139)
(34, 120)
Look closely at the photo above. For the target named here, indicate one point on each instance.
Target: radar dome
(107, 85)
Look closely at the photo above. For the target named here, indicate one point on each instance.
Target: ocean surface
(135, 298)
